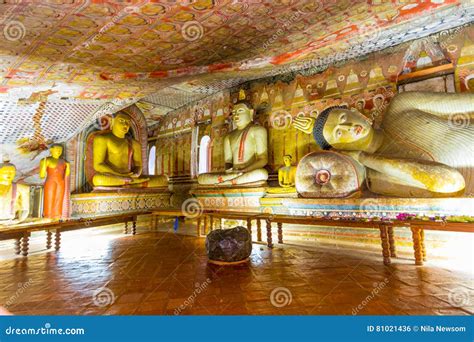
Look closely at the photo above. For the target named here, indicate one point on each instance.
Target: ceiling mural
(64, 63)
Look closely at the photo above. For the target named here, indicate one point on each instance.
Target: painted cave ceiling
(63, 63)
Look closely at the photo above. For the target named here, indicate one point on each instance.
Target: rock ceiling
(64, 62)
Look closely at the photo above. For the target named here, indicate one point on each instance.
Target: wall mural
(97, 57)
(37, 89)
(365, 87)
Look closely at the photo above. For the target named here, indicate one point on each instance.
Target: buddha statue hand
(304, 124)
(233, 172)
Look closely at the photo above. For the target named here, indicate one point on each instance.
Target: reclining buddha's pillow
(327, 174)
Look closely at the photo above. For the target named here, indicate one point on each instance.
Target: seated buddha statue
(117, 159)
(245, 151)
(286, 177)
(425, 147)
(14, 198)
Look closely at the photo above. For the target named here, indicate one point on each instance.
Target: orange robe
(54, 189)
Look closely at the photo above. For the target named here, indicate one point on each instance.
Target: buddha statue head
(56, 151)
(342, 129)
(121, 124)
(7, 173)
(287, 160)
(242, 114)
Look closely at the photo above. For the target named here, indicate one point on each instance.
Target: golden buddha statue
(14, 198)
(56, 171)
(423, 138)
(286, 178)
(286, 174)
(245, 152)
(118, 159)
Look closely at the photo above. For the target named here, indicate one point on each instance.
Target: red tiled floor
(155, 273)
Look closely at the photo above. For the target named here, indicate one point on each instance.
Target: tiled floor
(155, 273)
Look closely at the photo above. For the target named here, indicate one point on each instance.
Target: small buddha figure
(286, 174)
(245, 151)
(286, 178)
(56, 171)
(14, 198)
(415, 151)
(118, 159)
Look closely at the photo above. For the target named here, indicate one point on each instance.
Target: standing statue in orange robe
(56, 190)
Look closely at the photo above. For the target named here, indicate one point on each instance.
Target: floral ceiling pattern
(64, 63)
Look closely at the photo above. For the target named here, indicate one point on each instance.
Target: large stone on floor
(229, 245)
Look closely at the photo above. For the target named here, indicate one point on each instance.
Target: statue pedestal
(361, 208)
(114, 203)
(279, 192)
(240, 199)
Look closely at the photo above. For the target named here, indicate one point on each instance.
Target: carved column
(205, 225)
(57, 240)
(49, 239)
(423, 246)
(17, 246)
(259, 230)
(249, 227)
(211, 222)
(125, 230)
(25, 244)
(134, 227)
(269, 234)
(418, 251)
(198, 226)
(280, 232)
(391, 241)
(385, 245)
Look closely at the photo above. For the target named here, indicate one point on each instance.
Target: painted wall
(367, 85)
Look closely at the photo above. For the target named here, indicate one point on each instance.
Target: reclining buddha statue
(117, 159)
(425, 147)
(245, 152)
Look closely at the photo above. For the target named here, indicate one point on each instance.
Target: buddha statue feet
(257, 176)
(106, 180)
